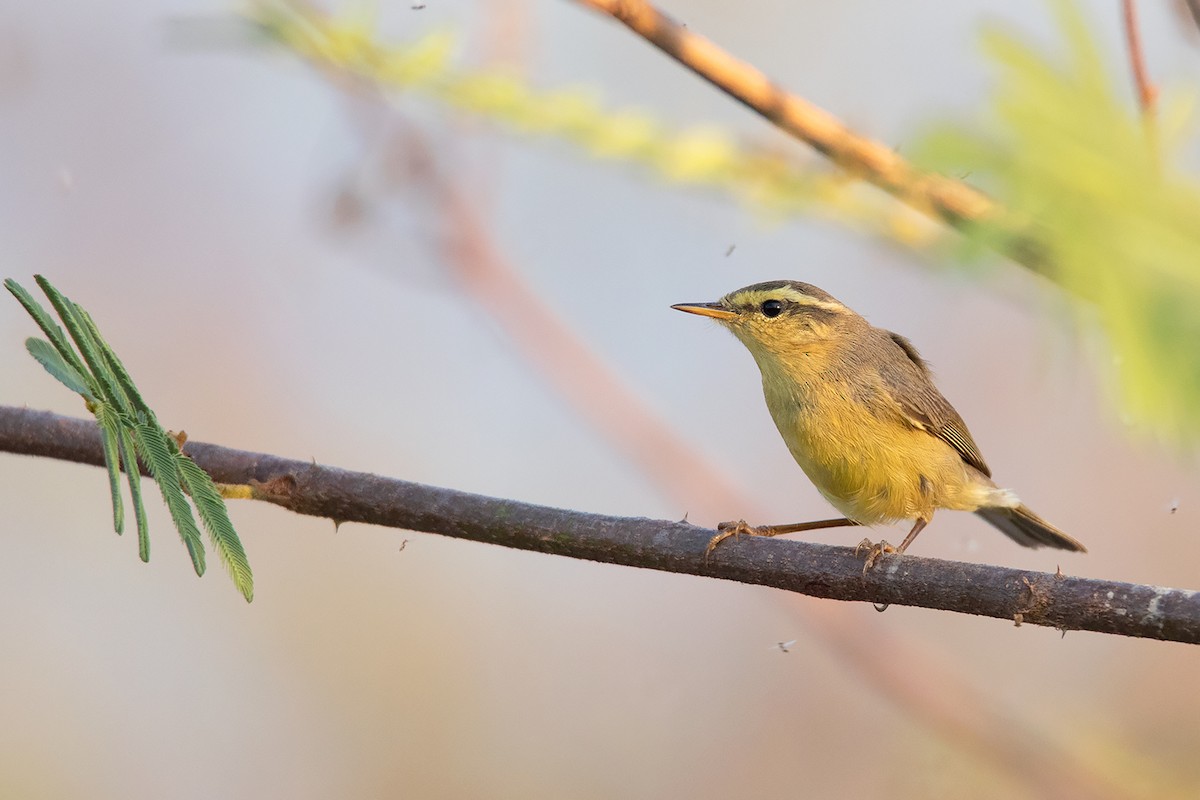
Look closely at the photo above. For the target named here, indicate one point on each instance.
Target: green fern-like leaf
(46, 355)
(89, 348)
(134, 476)
(110, 434)
(48, 326)
(129, 432)
(115, 367)
(211, 508)
(154, 447)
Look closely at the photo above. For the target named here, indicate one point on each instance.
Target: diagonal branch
(951, 201)
(1062, 602)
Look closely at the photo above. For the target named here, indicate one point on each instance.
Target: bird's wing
(911, 386)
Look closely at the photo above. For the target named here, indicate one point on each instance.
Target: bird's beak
(714, 310)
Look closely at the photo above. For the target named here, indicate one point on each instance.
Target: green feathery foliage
(345, 42)
(129, 430)
(1117, 222)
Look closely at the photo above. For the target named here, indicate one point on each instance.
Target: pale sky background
(184, 195)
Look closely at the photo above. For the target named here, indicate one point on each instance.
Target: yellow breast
(872, 465)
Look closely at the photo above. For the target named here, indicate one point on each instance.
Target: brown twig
(951, 201)
(1146, 90)
(1192, 7)
(819, 570)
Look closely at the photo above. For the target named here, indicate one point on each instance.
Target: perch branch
(1033, 598)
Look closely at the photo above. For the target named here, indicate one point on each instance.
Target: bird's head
(780, 319)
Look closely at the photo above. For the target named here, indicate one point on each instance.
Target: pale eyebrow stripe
(827, 305)
(799, 298)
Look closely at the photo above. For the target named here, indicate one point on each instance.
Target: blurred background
(292, 261)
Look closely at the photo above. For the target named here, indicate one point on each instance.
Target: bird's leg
(874, 551)
(728, 529)
(917, 527)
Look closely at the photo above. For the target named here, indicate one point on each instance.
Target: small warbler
(858, 410)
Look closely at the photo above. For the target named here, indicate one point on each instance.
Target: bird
(857, 407)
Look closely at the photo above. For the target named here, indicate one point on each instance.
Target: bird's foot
(872, 551)
(734, 529)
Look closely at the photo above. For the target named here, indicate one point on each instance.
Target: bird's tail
(1028, 529)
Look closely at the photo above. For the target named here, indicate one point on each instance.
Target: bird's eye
(772, 308)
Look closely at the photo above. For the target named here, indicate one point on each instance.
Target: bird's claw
(730, 529)
(873, 551)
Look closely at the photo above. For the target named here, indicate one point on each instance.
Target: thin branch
(951, 201)
(1146, 90)
(1193, 9)
(947, 200)
(819, 570)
